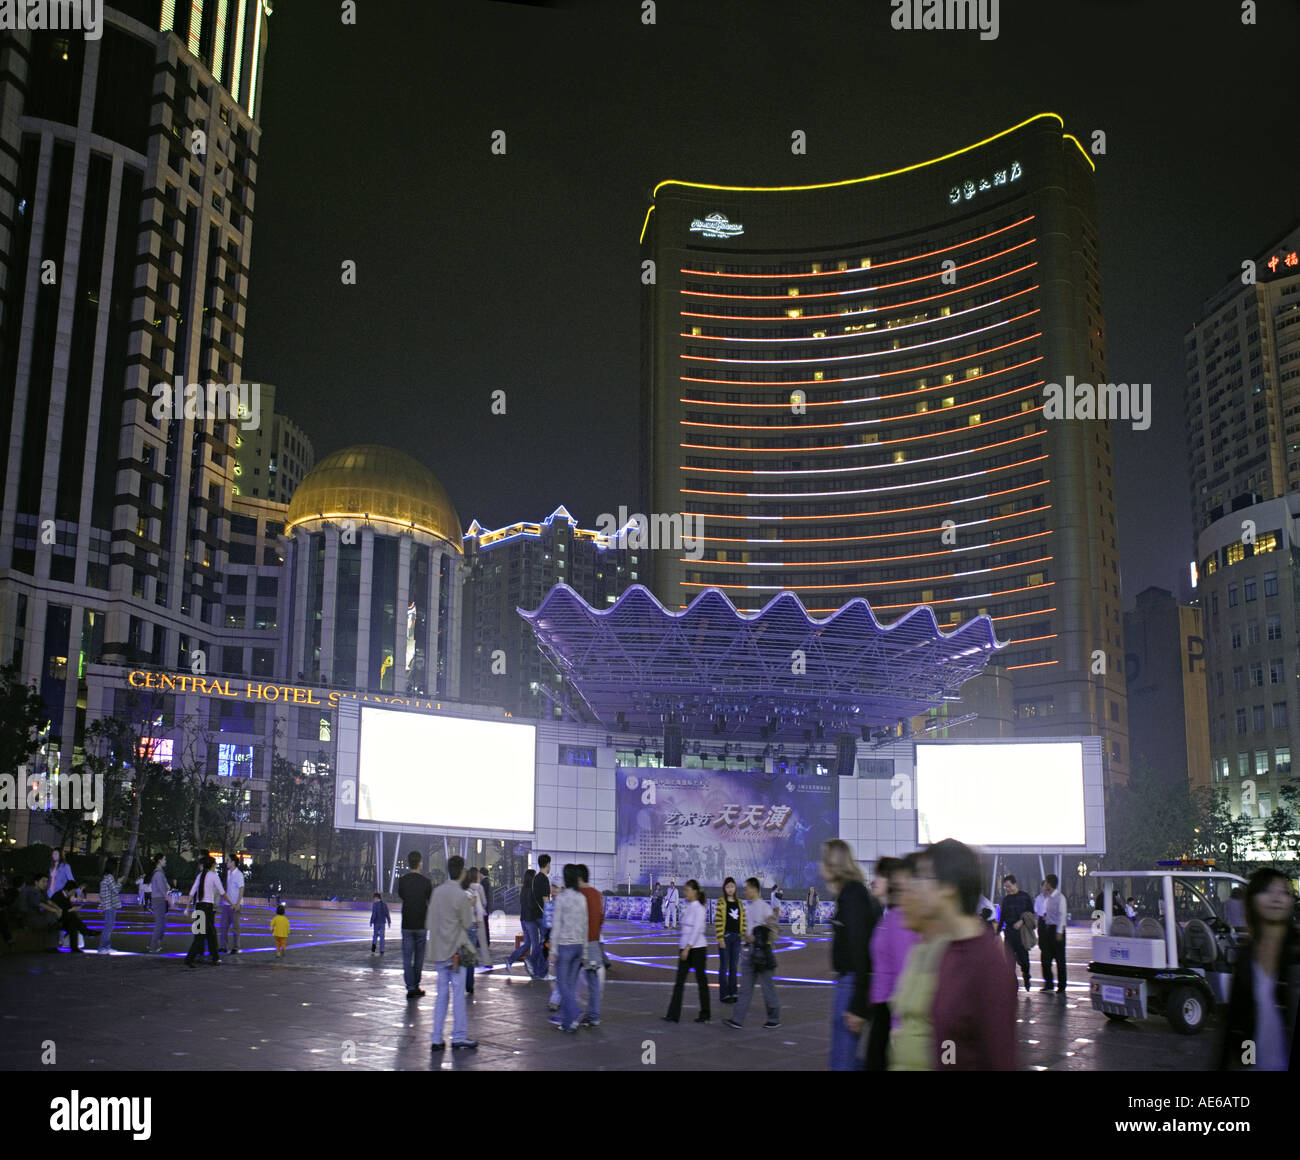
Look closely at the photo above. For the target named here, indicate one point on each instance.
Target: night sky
(522, 273)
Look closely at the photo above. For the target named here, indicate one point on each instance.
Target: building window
(1218, 684)
(1214, 604)
(1256, 674)
(1241, 722)
(1232, 596)
(1237, 679)
(1274, 628)
(1261, 762)
(1252, 632)
(1236, 636)
(1275, 671)
(1282, 760)
(1279, 715)
(1243, 764)
(1270, 583)
(1265, 804)
(1249, 586)
(1257, 718)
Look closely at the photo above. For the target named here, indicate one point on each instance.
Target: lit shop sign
(259, 691)
(971, 186)
(716, 225)
(1292, 259)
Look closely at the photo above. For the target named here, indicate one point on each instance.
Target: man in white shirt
(231, 908)
(670, 905)
(1055, 917)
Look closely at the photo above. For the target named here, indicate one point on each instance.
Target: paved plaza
(332, 1005)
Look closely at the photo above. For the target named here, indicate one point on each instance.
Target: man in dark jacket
(542, 893)
(1015, 905)
(414, 890)
(487, 901)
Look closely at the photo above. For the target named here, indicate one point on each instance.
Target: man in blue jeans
(452, 916)
(414, 890)
(542, 892)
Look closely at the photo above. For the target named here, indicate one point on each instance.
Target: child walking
(280, 931)
(380, 919)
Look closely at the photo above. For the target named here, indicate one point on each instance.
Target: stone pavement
(332, 1005)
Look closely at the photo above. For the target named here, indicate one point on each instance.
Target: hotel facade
(846, 383)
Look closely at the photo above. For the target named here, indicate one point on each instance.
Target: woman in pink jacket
(890, 943)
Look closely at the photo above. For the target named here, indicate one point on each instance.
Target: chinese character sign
(714, 824)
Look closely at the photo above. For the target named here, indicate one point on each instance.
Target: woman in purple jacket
(890, 943)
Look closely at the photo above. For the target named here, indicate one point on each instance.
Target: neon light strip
(219, 41)
(938, 411)
(237, 71)
(883, 511)
(196, 25)
(1039, 665)
(257, 56)
(875, 265)
(863, 467)
(820, 566)
(861, 289)
(168, 21)
(978, 354)
(876, 536)
(875, 584)
(784, 404)
(1021, 615)
(878, 332)
(781, 316)
(870, 559)
(802, 495)
(830, 358)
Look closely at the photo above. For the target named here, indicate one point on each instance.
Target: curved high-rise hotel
(844, 386)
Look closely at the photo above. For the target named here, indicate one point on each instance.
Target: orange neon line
(869, 309)
(1037, 665)
(865, 466)
(1027, 639)
(805, 495)
(858, 423)
(1020, 615)
(863, 378)
(785, 403)
(851, 587)
(878, 332)
(829, 358)
(872, 559)
(882, 512)
(861, 584)
(874, 265)
(863, 290)
(759, 543)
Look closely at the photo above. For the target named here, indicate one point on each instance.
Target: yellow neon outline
(869, 177)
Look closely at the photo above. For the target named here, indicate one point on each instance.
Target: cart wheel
(1115, 1018)
(1186, 1009)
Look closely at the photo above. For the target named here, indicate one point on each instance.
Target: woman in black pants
(693, 954)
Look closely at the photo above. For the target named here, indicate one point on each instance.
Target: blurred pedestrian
(381, 919)
(530, 919)
(656, 906)
(486, 884)
(568, 943)
(204, 896)
(593, 955)
(730, 927)
(542, 889)
(1260, 1032)
(891, 942)
(957, 997)
(811, 905)
(1052, 933)
(856, 915)
(670, 905)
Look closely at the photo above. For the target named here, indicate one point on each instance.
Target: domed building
(375, 545)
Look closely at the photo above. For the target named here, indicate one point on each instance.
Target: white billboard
(453, 773)
(1026, 793)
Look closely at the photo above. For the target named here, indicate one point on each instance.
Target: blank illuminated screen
(1027, 794)
(445, 771)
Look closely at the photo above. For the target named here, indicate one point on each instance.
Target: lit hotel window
(1236, 552)
(818, 376)
(922, 407)
(1034, 578)
(973, 372)
(792, 291)
(816, 267)
(795, 313)
(1026, 404)
(695, 330)
(900, 456)
(947, 379)
(949, 400)
(842, 265)
(865, 264)
(973, 419)
(819, 334)
(945, 311)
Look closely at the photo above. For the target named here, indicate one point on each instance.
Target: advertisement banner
(714, 824)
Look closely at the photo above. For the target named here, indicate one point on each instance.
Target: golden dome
(379, 484)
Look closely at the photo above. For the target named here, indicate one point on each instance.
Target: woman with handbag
(759, 964)
(692, 955)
